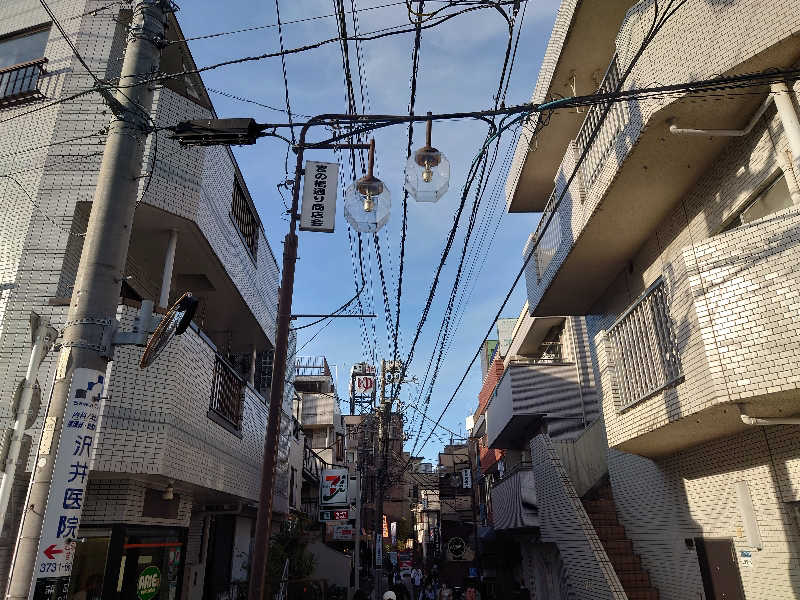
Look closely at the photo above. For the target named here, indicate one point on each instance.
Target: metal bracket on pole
(143, 325)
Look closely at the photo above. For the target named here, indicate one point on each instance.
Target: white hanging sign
(318, 212)
(68, 489)
(333, 487)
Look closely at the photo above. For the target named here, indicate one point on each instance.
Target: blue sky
(460, 64)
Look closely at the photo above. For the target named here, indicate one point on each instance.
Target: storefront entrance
(129, 563)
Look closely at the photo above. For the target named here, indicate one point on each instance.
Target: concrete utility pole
(87, 333)
(380, 464)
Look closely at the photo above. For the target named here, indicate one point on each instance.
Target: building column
(169, 263)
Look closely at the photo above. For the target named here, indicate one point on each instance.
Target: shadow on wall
(667, 504)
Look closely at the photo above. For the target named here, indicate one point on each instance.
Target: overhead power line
(669, 10)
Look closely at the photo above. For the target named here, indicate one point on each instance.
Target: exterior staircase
(603, 514)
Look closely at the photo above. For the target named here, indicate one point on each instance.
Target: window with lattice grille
(245, 218)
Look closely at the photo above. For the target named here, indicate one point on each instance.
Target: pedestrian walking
(416, 579)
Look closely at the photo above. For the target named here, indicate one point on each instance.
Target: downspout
(748, 420)
(789, 120)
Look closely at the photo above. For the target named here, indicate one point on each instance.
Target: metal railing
(645, 347)
(227, 392)
(312, 463)
(19, 83)
(517, 468)
(611, 126)
(549, 237)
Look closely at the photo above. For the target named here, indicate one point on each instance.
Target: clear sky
(460, 63)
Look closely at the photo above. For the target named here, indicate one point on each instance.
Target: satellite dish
(175, 322)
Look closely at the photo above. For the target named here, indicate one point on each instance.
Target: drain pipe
(748, 420)
(788, 115)
(674, 129)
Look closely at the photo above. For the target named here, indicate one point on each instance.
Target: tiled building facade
(672, 229)
(192, 425)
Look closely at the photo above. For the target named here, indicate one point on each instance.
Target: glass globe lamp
(427, 173)
(367, 202)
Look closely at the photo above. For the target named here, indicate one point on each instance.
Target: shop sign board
(148, 583)
(343, 533)
(318, 212)
(334, 515)
(365, 384)
(62, 514)
(333, 487)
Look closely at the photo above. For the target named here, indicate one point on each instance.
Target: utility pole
(88, 331)
(380, 465)
(357, 549)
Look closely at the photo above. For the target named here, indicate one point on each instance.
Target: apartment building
(541, 451)
(321, 414)
(672, 234)
(175, 473)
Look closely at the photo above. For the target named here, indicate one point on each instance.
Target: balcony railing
(520, 466)
(21, 82)
(227, 393)
(613, 123)
(549, 237)
(645, 347)
(312, 463)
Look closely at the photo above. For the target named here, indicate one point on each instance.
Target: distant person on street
(428, 592)
(416, 579)
(446, 592)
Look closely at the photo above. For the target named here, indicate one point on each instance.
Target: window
(774, 197)
(23, 47)
(21, 66)
(244, 216)
(227, 395)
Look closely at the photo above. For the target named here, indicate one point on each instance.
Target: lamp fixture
(367, 202)
(427, 171)
(169, 493)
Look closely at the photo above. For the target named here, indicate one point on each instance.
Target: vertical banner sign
(466, 478)
(378, 550)
(318, 212)
(385, 527)
(394, 532)
(62, 515)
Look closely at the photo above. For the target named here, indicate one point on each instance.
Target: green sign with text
(148, 584)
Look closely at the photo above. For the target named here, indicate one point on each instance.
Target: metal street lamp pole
(259, 586)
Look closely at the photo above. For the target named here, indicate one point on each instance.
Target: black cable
(333, 314)
(654, 29)
(283, 65)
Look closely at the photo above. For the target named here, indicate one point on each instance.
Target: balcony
(714, 338)
(577, 54)
(635, 171)
(187, 417)
(20, 83)
(529, 391)
(514, 503)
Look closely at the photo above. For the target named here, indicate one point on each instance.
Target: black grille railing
(645, 347)
(19, 83)
(227, 392)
